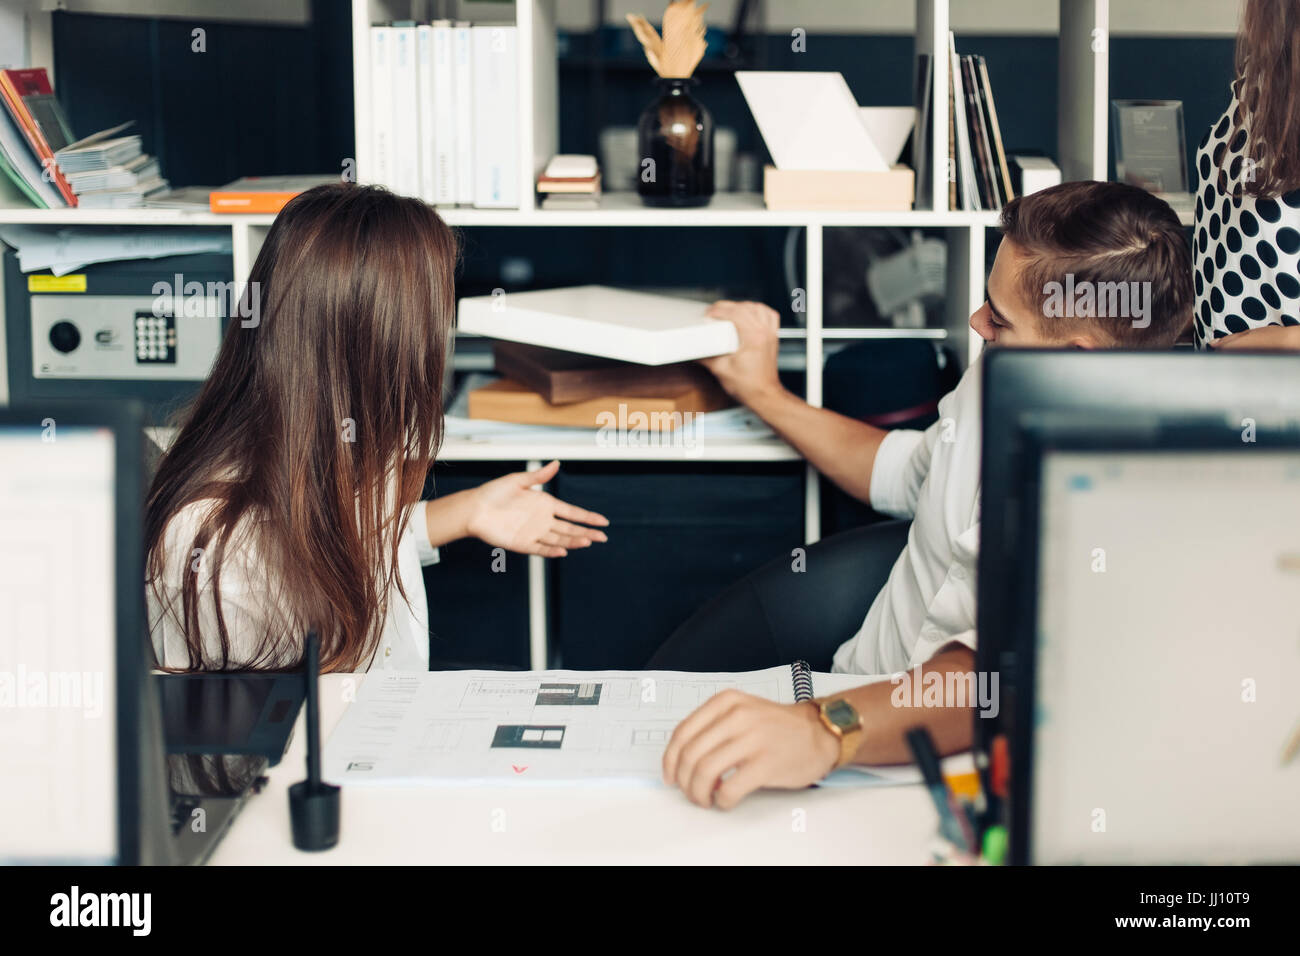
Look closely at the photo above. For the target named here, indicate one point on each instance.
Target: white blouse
(248, 605)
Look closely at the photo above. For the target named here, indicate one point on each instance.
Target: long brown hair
(317, 425)
(1268, 94)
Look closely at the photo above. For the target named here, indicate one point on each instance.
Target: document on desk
(540, 727)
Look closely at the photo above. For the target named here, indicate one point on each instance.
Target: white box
(424, 97)
(406, 117)
(381, 107)
(598, 320)
(462, 52)
(444, 116)
(1032, 173)
(496, 116)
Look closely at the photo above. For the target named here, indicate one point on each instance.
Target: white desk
(841, 825)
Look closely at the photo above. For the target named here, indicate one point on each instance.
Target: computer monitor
(1160, 582)
(72, 636)
(1114, 386)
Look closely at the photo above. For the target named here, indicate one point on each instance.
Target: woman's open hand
(510, 513)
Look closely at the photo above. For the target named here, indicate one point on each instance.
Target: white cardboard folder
(599, 320)
(810, 121)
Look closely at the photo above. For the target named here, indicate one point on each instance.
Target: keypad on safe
(155, 338)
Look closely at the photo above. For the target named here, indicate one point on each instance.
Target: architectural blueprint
(540, 727)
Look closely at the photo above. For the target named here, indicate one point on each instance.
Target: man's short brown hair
(1098, 239)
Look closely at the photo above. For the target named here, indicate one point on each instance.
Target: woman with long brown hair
(290, 498)
(1247, 238)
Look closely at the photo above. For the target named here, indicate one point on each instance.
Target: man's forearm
(886, 724)
(841, 448)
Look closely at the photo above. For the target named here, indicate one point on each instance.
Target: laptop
(1158, 628)
(86, 775)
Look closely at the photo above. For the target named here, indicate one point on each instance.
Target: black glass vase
(675, 148)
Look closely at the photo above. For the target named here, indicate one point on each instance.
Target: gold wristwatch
(843, 720)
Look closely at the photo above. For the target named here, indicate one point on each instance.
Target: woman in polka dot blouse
(1246, 247)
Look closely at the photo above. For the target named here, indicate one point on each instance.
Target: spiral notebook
(444, 728)
(802, 681)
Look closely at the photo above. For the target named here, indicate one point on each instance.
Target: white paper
(534, 728)
(810, 121)
(66, 249)
(888, 127)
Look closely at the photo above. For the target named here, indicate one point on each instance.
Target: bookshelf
(1081, 152)
(1082, 149)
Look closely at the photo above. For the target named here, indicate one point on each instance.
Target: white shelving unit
(1082, 151)
(1082, 134)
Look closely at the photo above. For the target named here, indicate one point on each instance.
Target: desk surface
(565, 825)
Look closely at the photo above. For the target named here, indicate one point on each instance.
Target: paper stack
(108, 171)
(37, 152)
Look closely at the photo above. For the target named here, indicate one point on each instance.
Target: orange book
(262, 193)
(14, 85)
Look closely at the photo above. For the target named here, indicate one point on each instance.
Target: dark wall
(1196, 71)
(260, 100)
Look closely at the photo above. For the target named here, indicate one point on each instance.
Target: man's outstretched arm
(841, 448)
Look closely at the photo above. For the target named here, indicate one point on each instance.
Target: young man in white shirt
(1076, 239)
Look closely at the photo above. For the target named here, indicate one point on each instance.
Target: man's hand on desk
(750, 371)
(768, 745)
(787, 745)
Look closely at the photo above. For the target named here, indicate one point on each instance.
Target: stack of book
(982, 178)
(54, 170)
(549, 387)
(444, 112)
(570, 182)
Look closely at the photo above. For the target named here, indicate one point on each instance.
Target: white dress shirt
(933, 478)
(248, 602)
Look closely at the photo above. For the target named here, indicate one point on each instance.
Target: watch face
(842, 714)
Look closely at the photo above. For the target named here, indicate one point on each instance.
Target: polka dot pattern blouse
(1246, 249)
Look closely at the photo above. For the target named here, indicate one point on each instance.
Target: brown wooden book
(507, 401)
(564, 377)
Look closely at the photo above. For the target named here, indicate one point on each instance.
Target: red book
(14, 85)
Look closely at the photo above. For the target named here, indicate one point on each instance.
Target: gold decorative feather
(678, 52)
(650, 41)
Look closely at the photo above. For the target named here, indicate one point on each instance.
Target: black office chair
(777, 614)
